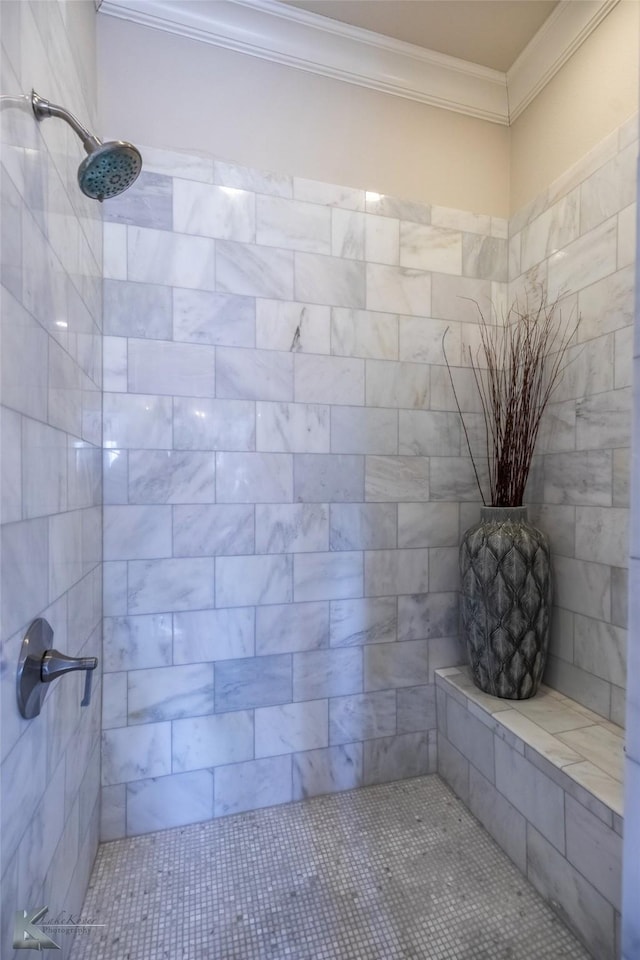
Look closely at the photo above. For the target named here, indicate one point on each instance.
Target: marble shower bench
(544, 777)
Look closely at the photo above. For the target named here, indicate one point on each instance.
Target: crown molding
(555, 42)
(287, 35)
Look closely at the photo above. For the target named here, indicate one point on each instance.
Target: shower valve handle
(55, 664)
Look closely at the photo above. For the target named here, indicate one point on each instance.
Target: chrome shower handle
(55, 664)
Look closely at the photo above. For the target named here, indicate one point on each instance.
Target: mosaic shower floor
(395, 871)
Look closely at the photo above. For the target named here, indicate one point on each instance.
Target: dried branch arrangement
(516, 368)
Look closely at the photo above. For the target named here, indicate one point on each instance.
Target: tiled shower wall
(579, 239)
(285, 485)
(51, 263)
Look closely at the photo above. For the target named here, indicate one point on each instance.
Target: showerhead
(109, 169)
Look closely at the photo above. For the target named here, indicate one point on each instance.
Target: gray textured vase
(506, 602)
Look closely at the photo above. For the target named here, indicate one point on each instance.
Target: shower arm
(43, 108)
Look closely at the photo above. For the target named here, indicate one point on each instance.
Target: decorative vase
(506, 602)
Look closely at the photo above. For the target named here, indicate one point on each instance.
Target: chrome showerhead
(109, 169)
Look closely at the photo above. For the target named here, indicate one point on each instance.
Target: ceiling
(489, 32)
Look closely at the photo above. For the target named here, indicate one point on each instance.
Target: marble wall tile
(473, 739)
(298, 327)
(623, 352)
(44, 469)
(394, 572)
(554, 877)
(609, 189)
(395, 758)
(604, 420)
(397, 384)
(169, 693)
(157, 256)
(10, 466)
(293, 427)
(254, 477)
(606, 305)
(136, 753)
(256, 682)
(329, 380)
(147, 203)
(287, 628)
(505, 824)
(158, 367)
(204, 530)
(363, 333)
(428, 524)
(328, 478)
(444, 569)
(453, 767)
(403, 290)
(243, 581)
(166, 802)
(257, 181)
(421, 340)
(460, 220)
(137, 532)
(583, 587)
(363, 430)
(251, 785)
(453, 478)
(327, 673)
(600, 649)
(327, 770)
(329, 194)
(584, 688)
(176, 164)
(202, 636)
(382, 239)
(329, 280)
(327, 576)
(589, 369)
(416, 708)
(427, 433)
(363, 526)
(253, 375)
(200, 316)
(430, 248)
(355, 622)
(348, 234)
(211, 741)
(291, 528)
(551, 231)
(114, 250)
(397, 478)
(583, 261)
(458, 298)
(253, 271)
(201, 424)
(169, 585)
(293, 224)
(391, 665)
(170, 476)
(537, 797)
(201, 209)
(114, 357)
(137, 421)
(25, 581)
(582, 478)
(626, 236)
(387, 206)
(132, 643)
(291, 727)
(602, 535)
(619, 596)
(427, 616)
(362, 717)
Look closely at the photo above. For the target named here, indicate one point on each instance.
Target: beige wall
(596, 91)
(170, 92)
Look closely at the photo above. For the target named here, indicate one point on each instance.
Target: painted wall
(285, 485)
(51, 480)
(590, 97)
(578, 239)
(274, 117)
